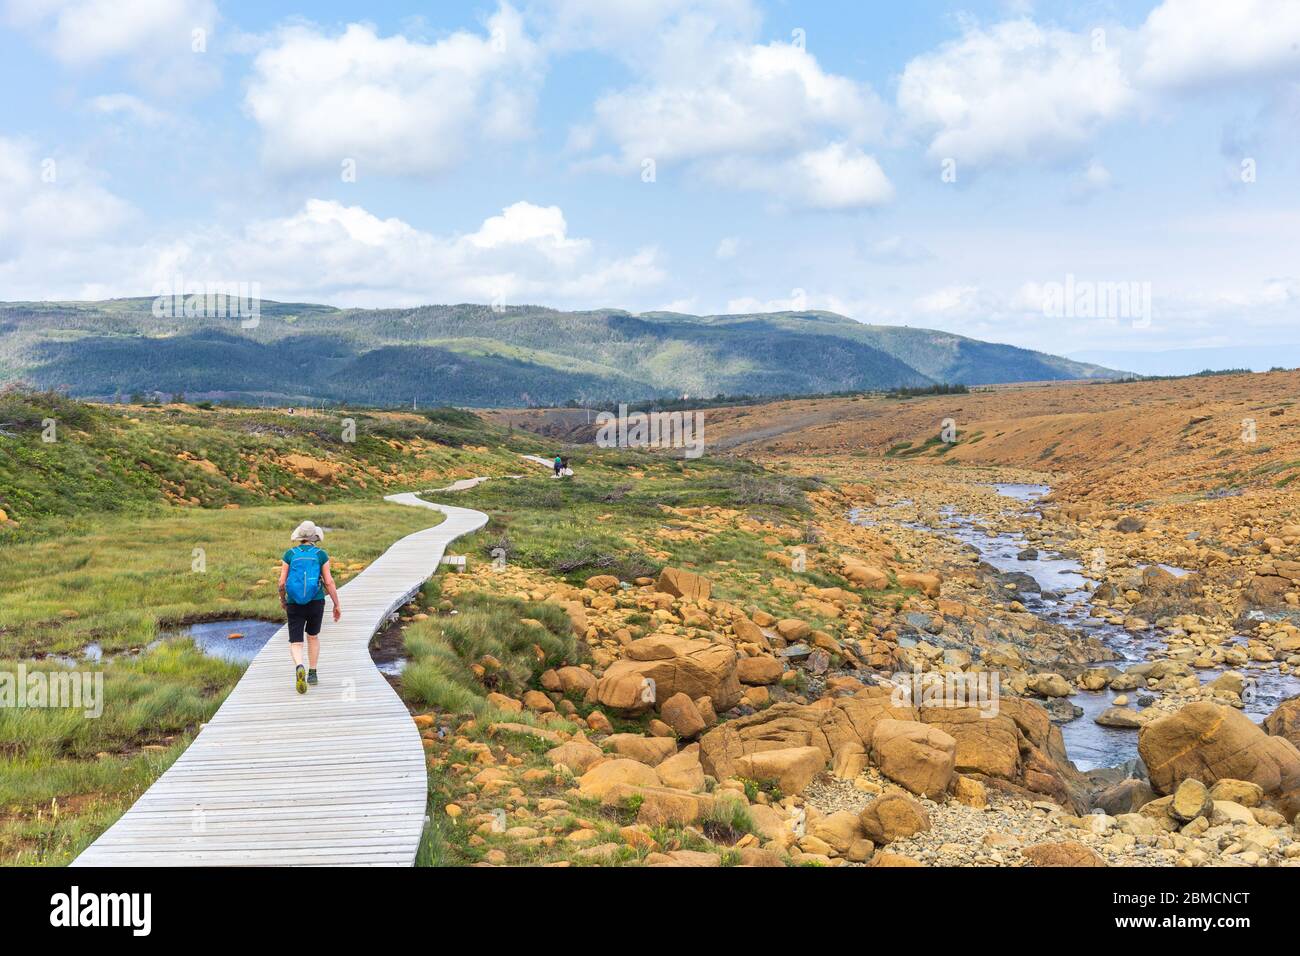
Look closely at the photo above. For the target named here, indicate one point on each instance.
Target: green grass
(116, 580)
(443, 648)
(555, 526)
(66, 776)
(136, 460)
(101, 553)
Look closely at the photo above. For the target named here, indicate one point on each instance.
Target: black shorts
(307, 616)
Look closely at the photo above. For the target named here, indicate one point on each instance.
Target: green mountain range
(479, 356)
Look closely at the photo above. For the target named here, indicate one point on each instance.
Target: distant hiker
(304, 580)
(559, 465)
(565, 470)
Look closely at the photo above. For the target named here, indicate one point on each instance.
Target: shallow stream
(1065, 599)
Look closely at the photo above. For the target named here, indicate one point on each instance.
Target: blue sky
(502, 153)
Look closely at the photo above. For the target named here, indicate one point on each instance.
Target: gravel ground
(958, 834)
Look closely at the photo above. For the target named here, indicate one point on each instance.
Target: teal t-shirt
(321, 557)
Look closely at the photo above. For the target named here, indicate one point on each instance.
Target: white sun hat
(307, 531)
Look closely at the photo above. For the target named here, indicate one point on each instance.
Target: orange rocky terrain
(1184, 435)
(1120, 562)
(692, 709)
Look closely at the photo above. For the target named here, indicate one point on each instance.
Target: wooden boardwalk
(335, 777)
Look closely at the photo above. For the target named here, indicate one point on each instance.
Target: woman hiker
(304, 580)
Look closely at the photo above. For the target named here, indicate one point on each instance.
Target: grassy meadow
(138, 519)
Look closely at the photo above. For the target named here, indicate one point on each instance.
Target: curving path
(336, 777)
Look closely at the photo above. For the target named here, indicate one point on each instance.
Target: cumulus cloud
(390, 104)
(868, 308)
(624, 26)
(748, 115)
(51, 201)
(1013, 92)
(710, 99)
(1193, 43)
(750, 99)
(958, 301)
(1018, 91)
(837, 176)
(164, 41)
(345, 255)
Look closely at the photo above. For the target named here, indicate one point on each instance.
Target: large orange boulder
(1066, 853)
(893, 817)
(684, 584)
(1209, 742)
(793, 768)
(927, 584)
(1285, 721)
(830, 725)
(914, 755)
(658, 667)
(1015, 748)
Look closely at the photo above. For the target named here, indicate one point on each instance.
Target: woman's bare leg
(313, 650)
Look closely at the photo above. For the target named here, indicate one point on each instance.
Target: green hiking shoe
(300, 679)
(311, 676)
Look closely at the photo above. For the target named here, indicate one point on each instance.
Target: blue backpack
(303, 582)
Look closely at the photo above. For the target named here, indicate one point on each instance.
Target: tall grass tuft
(525, 637)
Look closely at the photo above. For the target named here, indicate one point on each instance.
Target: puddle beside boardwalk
(213, 638)
(388, 649)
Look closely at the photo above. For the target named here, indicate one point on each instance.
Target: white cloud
(1019, 91)
(623, 27)
(86, 31)
(685, 306)
(393, 105)
(744, 99)
(131, 107)
(1190, 43)
(343, 255)
(51, 201)
(727, 248)
(763, 117)
(1092, 179)
(157, 37)
(522, 224)
(1096, 176)
(964, 301)
(1013, 92)
(749, 305)
(837, 176)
